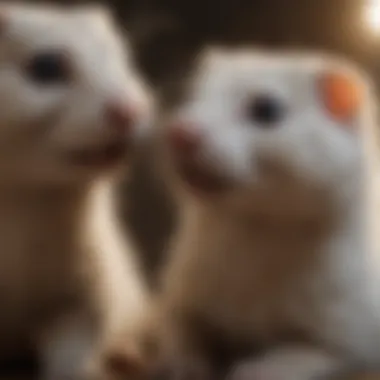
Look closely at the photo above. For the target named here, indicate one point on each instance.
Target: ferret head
(71, 102)
(269, 126)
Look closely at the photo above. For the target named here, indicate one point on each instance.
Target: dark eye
(48, 68)
(265, 110)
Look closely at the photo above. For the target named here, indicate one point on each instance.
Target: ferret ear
(341, 94)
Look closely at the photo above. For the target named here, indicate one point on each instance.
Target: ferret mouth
(105, 156)
(202, 180)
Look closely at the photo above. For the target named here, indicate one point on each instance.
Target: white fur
(102, 68)
(68, 279)
(286, 251)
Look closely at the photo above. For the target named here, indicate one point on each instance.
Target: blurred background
(167, 34)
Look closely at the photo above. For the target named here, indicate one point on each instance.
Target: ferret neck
(74, 206)
(332, 209)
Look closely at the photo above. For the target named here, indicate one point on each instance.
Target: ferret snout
(121, 116)
(184, 140)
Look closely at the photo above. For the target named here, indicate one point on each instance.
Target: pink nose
(184, 140)
(120, 116)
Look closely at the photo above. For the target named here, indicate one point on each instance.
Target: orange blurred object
(341, 95)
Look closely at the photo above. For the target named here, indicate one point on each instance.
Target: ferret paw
(118, 362)
(288, 364)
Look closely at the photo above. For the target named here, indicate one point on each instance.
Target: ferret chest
(37, 262)
(254, 275)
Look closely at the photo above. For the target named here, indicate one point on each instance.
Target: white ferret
(275, 166)
(72, 108)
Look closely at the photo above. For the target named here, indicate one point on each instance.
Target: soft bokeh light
(372, 15)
